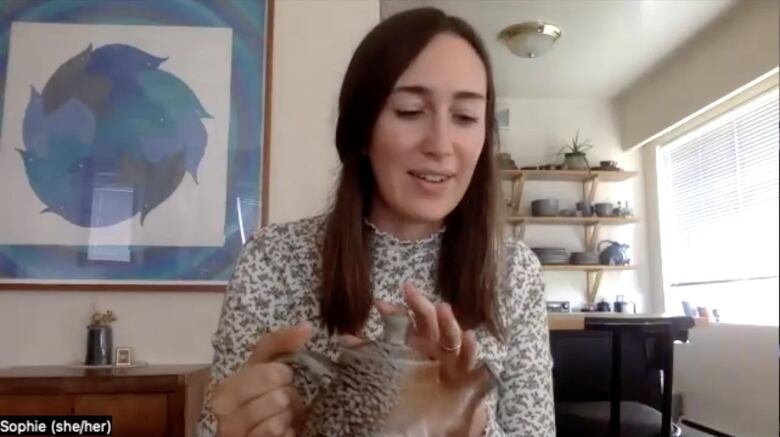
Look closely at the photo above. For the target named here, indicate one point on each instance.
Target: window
(718, 195)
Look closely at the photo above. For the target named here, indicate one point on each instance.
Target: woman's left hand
(438, 335)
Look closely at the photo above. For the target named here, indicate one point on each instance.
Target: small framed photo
(124, 356)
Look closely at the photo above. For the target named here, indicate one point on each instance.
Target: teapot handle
(602, 242)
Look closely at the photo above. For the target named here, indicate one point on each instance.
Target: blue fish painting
(110, 117)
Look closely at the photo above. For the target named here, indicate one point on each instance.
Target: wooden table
(152, 401)
(576, 321)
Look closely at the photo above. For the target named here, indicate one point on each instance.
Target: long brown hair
(467, 274)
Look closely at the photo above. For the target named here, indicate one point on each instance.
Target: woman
(414, 222)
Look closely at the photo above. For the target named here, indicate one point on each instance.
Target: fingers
(425, 318)
(438, 329)
(283, 341)
(347, 340)
(450, 339)
(438, 333)
(258, 410)
(454, 359)
(279, 425)
(247, 384)
(467, 359)
(259, 397)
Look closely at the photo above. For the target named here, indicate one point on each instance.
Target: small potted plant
(99, 339)
(574, 154)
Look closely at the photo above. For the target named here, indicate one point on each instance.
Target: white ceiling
(606, 45)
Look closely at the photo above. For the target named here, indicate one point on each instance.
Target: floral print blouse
(276, 279)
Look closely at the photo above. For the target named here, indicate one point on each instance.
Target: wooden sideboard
(152, 401)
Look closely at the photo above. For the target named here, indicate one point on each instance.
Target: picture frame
(177, 179)
(503, 121)
(123, 357)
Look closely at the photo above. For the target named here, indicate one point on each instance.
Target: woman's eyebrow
(468, 95)
(424, 91)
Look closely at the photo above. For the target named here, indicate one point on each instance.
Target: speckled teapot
(385, 388)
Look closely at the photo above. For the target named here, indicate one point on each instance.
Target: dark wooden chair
(615, 377)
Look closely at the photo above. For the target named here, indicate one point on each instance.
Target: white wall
(313, 41)
(734, 50)
(728, 375)
(538, 130)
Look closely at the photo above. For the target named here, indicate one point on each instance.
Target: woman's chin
(427, 213)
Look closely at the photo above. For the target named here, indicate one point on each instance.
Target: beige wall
(310, 60)
(538, 129)
(313, 41)
(737, 48)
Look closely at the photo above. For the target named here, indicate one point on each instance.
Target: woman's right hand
(259, 400)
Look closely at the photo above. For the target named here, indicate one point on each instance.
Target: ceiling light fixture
(530, 39)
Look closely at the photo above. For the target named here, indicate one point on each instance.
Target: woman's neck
(400, 227)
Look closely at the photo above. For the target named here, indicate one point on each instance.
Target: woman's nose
(439, 138)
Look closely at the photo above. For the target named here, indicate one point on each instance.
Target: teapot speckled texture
(385, 388)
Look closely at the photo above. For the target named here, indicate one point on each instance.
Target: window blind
(719, 197)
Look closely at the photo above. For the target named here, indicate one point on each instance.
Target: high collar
(382, 238)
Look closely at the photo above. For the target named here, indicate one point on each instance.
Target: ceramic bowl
(544, 208)
(604, 209)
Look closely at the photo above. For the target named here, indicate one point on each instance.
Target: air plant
(576, 146)
(574, 153)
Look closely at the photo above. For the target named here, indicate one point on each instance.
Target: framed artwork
(133, 141)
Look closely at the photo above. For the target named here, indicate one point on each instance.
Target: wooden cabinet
(150, 401)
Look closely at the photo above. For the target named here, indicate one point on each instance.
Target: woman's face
(429, 134)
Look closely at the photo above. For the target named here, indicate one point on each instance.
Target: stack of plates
(551, 255)
(585, 258)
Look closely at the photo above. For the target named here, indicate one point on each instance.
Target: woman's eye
(408, 113)
(464, 119)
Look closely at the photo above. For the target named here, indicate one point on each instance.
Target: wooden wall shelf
(530, 220)
(567, 175)
(590, 181)
(592, 225)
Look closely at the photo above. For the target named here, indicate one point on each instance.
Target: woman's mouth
(431, 177)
